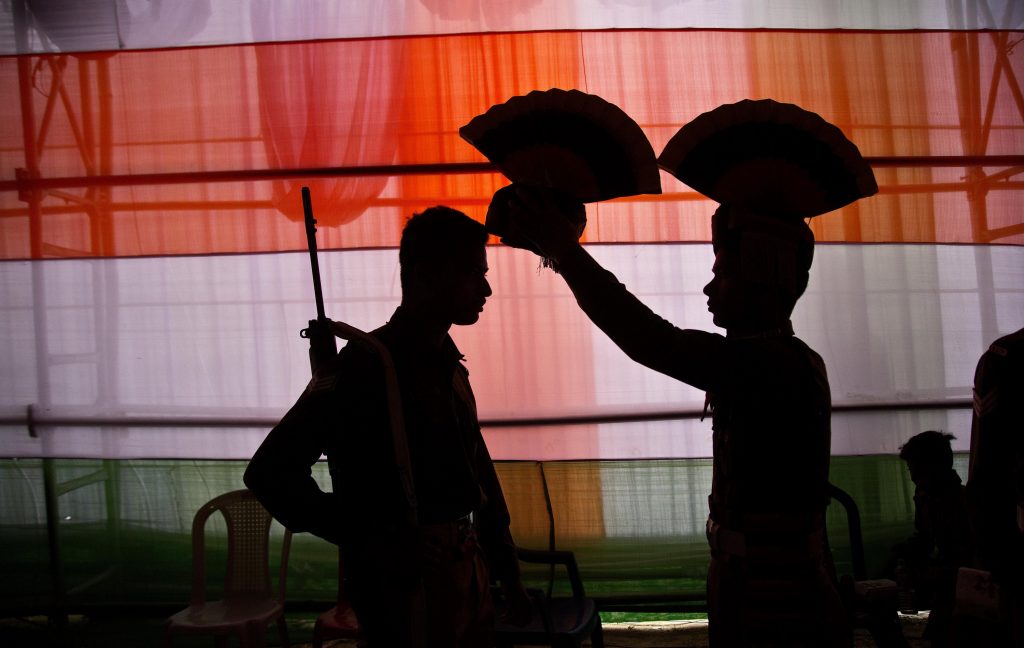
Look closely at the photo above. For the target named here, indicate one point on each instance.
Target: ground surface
(132, 632)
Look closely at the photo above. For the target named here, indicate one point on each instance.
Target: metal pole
(439, 168)
(157, 421)
(32, 196)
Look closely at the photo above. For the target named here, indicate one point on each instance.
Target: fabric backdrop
(153, 277)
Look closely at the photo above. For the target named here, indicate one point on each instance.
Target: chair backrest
(525, 488)
(247, 573)
(854, 530)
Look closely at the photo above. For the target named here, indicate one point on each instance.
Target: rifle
(321, 334)
(322, 344)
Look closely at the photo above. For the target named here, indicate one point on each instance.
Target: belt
(465, 525)
(457, 531)
(454, 538)
(749, 522)
(729, 542)
(724, 540)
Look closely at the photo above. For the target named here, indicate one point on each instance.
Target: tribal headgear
(771, 250)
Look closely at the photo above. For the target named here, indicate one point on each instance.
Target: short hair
(435, 235)
(929, 446)
(773, 250)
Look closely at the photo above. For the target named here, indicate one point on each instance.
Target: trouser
(405, 597)
(775, 594)
(750, 611)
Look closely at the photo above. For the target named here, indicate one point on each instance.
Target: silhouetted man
(995, 482)
(941, 543)
(425, 584)
(770, 403)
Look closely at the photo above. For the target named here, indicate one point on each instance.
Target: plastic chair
(249, 603)
(557, 621)
(870, 603)
(340, 621)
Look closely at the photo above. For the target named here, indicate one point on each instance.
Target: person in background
(942, 541)
(418, 568)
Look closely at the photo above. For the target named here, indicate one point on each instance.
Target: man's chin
(467, 320)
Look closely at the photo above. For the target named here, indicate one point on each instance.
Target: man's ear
(423, 277)
(412, 281)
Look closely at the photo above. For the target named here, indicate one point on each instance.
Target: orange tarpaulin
(170, 172)
(193, 112)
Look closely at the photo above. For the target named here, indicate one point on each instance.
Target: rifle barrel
(318, 293)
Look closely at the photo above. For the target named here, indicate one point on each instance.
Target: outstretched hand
(534, 218)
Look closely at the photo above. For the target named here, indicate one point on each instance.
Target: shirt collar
(783, 330)
(405, 337)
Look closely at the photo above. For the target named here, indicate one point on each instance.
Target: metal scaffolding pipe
(249, 175)
(585, 419)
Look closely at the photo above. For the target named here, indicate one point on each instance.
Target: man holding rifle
(418, 564)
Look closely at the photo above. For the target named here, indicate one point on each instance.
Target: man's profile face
(728, 300)
(741, 302)
(462, 287)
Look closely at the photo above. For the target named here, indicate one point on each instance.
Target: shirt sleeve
(493, 523)
(684, 354)
(280, 472)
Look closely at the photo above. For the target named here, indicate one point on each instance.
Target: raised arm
(687, 355)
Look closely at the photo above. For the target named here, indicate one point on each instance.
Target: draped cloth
(153, 279)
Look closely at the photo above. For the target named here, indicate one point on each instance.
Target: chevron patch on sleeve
(322, 383)
(985, 403)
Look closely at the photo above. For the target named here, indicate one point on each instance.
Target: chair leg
(597, 637)
(256, 635)
(282, 630)
(318, 639)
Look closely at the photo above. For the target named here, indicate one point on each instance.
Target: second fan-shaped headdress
(769, 157)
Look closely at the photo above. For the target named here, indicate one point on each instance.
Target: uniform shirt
(769, 395)
(995, 483)
(344, 414)
(772, 432)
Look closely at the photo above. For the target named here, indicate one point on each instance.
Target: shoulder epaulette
(999, 350)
